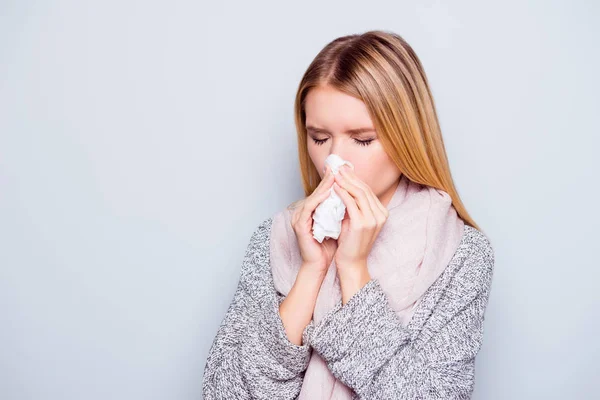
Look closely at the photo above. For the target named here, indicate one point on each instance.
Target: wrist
(311, 274)
(296, 309)
(314, 270)
(351, 267)
(352, 279)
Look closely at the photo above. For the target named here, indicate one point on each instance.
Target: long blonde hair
(382, 70)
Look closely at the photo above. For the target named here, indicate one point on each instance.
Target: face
(339, 123)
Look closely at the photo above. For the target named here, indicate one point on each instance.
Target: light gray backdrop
(141, 142)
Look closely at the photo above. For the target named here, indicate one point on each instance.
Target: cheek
(366, 172)
(373, 170)
(317, 160)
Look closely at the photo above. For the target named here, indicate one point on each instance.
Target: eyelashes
(359, 142)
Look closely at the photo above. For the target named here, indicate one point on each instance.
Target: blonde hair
(382, 70)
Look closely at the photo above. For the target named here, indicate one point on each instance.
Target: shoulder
(472, 266)
(259, 238)
(274, 224)
(263, 228)
(255, 271)
(478, 247)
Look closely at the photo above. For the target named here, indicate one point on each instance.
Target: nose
(337, 164)
(337, 148)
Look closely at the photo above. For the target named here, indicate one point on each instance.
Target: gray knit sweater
(363, 342)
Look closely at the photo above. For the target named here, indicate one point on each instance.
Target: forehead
(328, 108)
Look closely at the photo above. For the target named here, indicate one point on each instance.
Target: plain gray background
(141, 143)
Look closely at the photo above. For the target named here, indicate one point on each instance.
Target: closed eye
(359, 142)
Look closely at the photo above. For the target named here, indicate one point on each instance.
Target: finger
(311, 204)
(358, 194)
(327, 173)
(380, 211)
(327, 170)
(315, 198)
(372, 199)
(349, 202)
(326, 181)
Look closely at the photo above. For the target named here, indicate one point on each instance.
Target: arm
(251, 356)
(296, 309)
(367, 348)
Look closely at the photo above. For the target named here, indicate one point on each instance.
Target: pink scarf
(412, 249)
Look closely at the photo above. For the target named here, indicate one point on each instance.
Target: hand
(315, 255)
(366, 218)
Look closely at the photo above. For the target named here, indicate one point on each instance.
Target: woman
(394, 307)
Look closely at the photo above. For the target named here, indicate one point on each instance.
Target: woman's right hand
(315, 255)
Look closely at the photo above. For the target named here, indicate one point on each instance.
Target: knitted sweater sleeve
(367, 348)
(251, 356)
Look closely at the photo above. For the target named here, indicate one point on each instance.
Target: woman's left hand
(366, 218)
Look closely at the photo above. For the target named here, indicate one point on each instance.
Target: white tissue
(328, 216)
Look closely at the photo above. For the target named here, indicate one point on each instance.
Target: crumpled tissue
(328, 216)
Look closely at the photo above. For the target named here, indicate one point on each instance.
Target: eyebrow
(349, 131)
